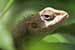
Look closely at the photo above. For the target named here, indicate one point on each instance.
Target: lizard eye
(48, 18)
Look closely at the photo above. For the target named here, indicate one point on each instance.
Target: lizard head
(51, 16)
(46, 20)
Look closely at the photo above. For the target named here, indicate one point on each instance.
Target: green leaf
(56, 38)
(5, 37)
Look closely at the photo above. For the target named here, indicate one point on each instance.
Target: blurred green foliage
(12, 11)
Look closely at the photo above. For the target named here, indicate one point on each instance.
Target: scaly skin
(38, 25)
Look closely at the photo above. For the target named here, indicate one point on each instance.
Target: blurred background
(12, 11)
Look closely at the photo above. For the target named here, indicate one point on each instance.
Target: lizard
(38, 25)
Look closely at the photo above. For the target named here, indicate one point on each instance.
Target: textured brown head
(46, 20)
